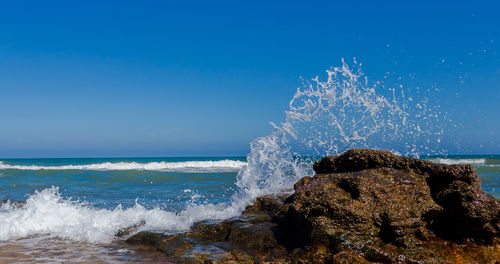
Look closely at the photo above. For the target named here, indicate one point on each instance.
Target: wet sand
(55, 250)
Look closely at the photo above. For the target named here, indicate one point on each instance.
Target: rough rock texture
(383, 203)
(364, 206)
(248, 239)
(467, 212)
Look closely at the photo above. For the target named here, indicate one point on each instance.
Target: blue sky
(165, 78)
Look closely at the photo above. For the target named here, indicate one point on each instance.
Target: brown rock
(173, 245)
(384, 203)
(212, 231)
(253, 237)
(349, 257)
(271, 205)
(467, 212)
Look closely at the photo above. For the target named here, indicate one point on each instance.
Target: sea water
(73, 208)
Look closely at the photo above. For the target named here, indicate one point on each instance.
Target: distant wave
(189, 166)
(459, 161)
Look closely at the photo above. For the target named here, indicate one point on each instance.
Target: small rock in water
(129, 230)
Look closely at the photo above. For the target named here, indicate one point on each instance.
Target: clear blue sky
(183, 78)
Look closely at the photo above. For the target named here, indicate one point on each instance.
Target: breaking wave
(188, 166)
(459, 161)
(47, 213)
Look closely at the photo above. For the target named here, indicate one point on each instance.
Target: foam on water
(47, 213)
(188, 166)
(459, 161)
(325, 117)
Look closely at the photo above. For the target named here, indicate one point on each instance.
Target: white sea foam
(459, 161)
(46, 212)
(189, 166)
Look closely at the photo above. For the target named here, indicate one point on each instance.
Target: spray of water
(330, 116)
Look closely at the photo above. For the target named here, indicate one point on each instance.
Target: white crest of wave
(46, 212)
(191, 166)
(459, 161)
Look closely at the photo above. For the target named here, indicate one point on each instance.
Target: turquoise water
(115, 181)
(487, 166)
(106, 183)
(73, 208)
(167, 183)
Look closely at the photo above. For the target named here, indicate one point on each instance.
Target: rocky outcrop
(466, 211)
(383, 203)
(364, 206)
(247, 239)
(386, 207)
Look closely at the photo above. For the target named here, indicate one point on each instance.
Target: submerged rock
(364, 206)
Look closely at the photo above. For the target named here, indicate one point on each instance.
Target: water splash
(328, 117)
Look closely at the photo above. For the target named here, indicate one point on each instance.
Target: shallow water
(74, 214)
(105, 183)
(42, 249)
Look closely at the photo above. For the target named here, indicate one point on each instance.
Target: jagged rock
(467, 212)
(383, 203)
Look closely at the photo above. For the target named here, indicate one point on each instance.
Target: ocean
(74, 207)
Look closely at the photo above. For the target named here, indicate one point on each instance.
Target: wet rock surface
(364, 206)
(467, 212)
(123, 232)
